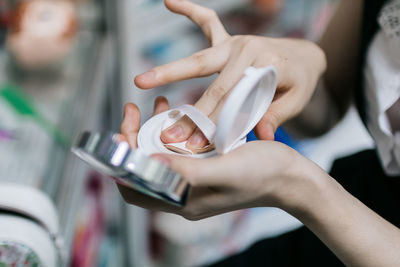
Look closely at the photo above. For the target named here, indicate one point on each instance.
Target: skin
(267, 173)
(277, 177)
(299, 64)
(332, 98)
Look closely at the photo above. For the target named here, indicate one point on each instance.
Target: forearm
(340, 44)
(356, 234)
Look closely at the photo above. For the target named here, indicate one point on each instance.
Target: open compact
(244, 107)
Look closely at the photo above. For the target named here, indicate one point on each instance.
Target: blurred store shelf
(72, 96)
(155, 22)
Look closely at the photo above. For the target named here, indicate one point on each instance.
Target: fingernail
(148, 76)
(174, 132)
(195, 140)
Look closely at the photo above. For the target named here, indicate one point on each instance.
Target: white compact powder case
(243, 109)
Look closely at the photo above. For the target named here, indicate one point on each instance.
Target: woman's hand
(267, 173)
(299, 65)
(264, 173)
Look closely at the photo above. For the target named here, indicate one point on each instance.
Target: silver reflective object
(131, 167)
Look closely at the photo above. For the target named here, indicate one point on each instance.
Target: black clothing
(361, 175)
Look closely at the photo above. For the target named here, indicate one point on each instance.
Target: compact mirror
(130, 167)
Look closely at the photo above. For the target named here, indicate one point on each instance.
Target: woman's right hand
(299, 64)
(263, 173)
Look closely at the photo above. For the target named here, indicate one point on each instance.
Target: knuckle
(247, 43)
(200, 60)
(274, 117)
(274, 56)
(209, 15)
(187, 125)
(244, 40)
(216, 92)
(234, 40)
(238, 39)
(237, 43)
(251, 43)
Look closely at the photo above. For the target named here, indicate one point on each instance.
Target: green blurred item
(24, 106)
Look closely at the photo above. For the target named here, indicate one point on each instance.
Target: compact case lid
(245, 106)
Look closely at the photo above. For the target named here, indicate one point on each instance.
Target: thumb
(280, 110)
(265, 130)
(266, 127)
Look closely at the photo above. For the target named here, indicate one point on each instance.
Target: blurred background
(67, 66)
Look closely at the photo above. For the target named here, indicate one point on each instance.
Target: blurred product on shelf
(21, 143)
(269, 7)
(42, 32)
(293, 18)
(96, 234)
(90, 226)
(29, 228)
(15, 254)
(166, 50)
(24, 106)
(56, 63)
(5, 19)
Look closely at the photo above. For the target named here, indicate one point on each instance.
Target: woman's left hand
(299, 65)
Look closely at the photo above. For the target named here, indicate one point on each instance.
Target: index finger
(200, 64)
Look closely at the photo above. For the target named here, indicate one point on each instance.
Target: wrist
(306, 185)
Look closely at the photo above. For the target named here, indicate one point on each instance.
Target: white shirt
(382, 82)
